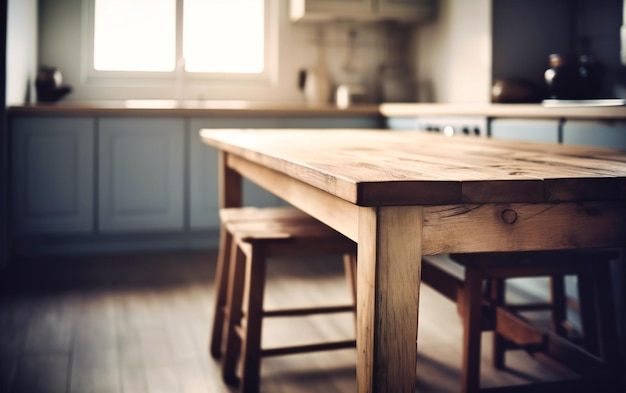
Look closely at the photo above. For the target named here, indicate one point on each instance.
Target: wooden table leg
(230, 184)
(388, 278)
(472, 330)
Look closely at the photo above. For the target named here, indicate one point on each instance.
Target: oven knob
(448, 130)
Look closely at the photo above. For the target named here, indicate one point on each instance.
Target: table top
(383, 168)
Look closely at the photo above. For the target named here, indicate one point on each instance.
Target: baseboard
(41, 246)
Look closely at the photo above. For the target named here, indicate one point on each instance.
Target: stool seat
(254, 235)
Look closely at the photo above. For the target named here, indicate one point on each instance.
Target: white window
(135, 37)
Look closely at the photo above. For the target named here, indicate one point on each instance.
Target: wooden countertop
(248, 108)
(191, 108)
(534, 111)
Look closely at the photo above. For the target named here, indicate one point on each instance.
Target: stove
(454, 125)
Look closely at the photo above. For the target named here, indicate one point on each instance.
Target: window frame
(159, 79)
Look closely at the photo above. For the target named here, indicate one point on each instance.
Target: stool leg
(558, 304)
(498, 343)
(221, 292)
(586, 296)
(472, 330)
(349, 267)
(231, 339)
(605, 314)
(253, 315)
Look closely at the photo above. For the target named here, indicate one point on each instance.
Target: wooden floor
(139, 324)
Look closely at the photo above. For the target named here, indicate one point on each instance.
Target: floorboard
(139, 324)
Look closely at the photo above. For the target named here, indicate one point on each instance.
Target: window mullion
(179, 35)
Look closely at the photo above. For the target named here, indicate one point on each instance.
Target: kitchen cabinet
(595, 133)
(537, 130)
(361, 10)
(92, 183)
(141, 174)
(52, 175)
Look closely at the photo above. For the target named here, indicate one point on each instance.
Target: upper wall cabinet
(410, 11)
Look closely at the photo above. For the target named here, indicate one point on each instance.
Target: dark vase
(574, 77)
(49, 85)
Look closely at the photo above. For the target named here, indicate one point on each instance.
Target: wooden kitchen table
(401, 195)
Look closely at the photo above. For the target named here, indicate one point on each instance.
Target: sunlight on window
(219, 36)
(138, 35)
(223, 36)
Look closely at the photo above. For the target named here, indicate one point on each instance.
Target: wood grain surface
(374, 168)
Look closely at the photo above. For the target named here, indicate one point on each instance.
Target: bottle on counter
(315, 81)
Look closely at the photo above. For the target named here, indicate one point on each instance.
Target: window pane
(224, 36)
(137, 35)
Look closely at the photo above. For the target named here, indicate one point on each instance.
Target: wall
(473, 42)
(21, 50)
(18, 48)
(453, 53)
(526, 32)
(4, 148)
(63, 34)
(600, 22)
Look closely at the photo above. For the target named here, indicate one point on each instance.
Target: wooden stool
(254, 236)
(227, 216)
(593, 358)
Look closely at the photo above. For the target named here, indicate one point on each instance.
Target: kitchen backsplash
(367, 55)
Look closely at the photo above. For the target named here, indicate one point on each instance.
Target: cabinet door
(323, 10)
(595, 133)
(52, 172)
(204, 176)
(141, 174)
(406, 9)
(526, 129)
(329, 9)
